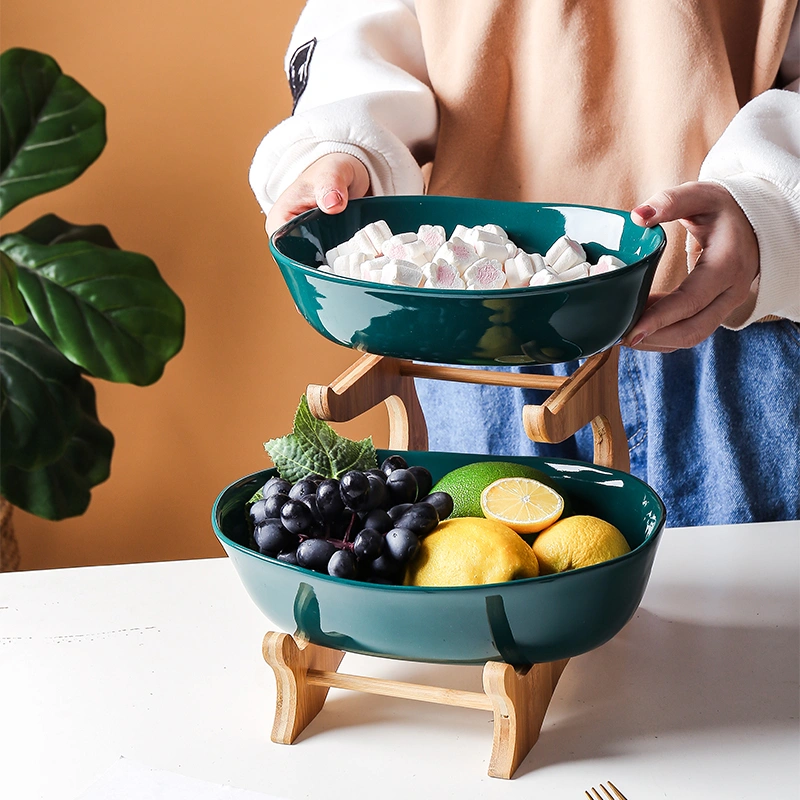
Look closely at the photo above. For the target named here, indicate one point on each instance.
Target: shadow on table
(677, 676)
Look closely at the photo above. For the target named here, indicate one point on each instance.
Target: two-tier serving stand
(517, 697)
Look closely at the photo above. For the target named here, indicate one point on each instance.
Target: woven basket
(9, 550)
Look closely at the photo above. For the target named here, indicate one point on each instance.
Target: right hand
(328, 184)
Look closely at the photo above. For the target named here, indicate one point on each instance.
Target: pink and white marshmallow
(349, 265)
(485, 273)
(573, 273)
(521, 268)
(433, 236)
(606, 263)
(407, 247)
(457, 252)
(543, 278)
(441, 275)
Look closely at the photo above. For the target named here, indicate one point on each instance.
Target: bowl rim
(649, 541)
(462, 293)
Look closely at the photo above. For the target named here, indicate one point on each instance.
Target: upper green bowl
(533, 325)
(520, 622)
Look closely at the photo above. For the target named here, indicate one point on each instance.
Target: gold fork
(595, 795)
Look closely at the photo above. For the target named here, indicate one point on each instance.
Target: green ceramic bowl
(535, 325)
(520, 622)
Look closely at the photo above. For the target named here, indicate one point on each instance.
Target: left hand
(722, 275)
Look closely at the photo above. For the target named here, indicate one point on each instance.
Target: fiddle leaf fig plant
(74, 305)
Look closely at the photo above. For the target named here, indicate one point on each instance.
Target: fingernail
(645, 212)
(638, 338)
(331, 199)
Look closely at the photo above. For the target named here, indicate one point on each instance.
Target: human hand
(328, 183)
(723, 272)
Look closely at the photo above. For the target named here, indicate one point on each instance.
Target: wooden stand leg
(518, 698)
(589, 395)
(298, 701)
(520, 702)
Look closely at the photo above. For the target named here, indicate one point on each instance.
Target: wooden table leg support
(518, 698)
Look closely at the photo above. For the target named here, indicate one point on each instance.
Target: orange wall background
(189, 88)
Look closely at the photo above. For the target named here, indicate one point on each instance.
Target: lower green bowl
(520, 622)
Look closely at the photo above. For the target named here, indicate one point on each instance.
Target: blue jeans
(715, 430)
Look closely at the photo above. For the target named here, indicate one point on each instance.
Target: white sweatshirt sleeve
(360, 84)
(757, 159)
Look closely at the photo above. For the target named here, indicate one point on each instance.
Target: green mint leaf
(313, 446)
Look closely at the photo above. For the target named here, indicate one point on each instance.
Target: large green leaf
(107, 310)
(51, 229)
(12, 306)
(51, 128)
(63, 489)
(39, 406)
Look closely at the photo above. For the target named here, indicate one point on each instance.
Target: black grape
(378, 473)
(395, 512)
(329, 501)
(354, 488)
(442, 502)
(387, 568)
(275, 485)
(421, 518)
(402, 544)
(315, 554)
(379, 520)
(424, 480)
(274, 503)
(378, 494)
(258, 512)
(288, 556)
(368, 544)
(302, 489)
(402, 486)
(392, 463)
(272, 537)
(342, 564)
(296, 516)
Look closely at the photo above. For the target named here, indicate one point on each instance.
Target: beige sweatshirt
(603, 102)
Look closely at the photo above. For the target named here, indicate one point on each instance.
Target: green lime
(466, 484)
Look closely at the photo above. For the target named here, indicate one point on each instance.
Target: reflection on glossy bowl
(535, 325)
(520, 622)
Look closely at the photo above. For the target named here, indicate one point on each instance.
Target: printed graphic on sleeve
(298, 70)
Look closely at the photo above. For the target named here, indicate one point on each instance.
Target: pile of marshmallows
(481, 258)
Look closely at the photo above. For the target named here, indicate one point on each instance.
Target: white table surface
(697, 697)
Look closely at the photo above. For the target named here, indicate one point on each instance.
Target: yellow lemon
(468, 551)
(576, 542)
(466, 483)
(524, 504)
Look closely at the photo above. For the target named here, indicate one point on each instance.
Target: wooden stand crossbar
(588, 396)
(518, 698)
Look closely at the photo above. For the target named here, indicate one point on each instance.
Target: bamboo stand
(518, 698)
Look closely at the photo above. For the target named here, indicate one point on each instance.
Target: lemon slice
(524, 504)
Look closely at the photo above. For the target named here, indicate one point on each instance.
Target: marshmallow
(480, 234)
(403, 248)
(519, 270)
(573, 273)
(460, 232)
(433, 236)
(486, 273)
(457, 252)
(493, 250)
(564, 254)
(325, 268)
(512, 250)
(606, 263)
(543, 278)
(401, 273)
(372, 269)
(441, 275)
(377, 232)
(349, 265)
(496, 230)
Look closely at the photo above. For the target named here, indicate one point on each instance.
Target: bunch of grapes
(367, 525)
